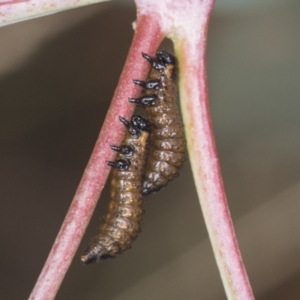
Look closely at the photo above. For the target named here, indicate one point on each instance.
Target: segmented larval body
(167, 141)
(122, 222)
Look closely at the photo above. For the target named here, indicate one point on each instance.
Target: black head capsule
(121, 164)
(146, 100)
(131, 129)
(140, 123)
(127, 150)
(155, 63)
(166, 58)
(135, 126)
(148, 85)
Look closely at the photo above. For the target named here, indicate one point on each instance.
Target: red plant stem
(205, 166)
(146, 39)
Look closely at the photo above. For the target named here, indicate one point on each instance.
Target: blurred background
(57, 77)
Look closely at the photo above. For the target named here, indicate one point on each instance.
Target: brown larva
(122, 222)
(167, 141)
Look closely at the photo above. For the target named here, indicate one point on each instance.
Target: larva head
(170, 63)
(140, 123)
(155, 64)
(136, 125)
(163, 62)
(166, 58)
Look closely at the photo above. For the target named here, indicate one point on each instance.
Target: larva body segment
(167, 141)
(122, 222)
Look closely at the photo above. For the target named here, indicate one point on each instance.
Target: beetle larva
(167, 140)
(122, 222)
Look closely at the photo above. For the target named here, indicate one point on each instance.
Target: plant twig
(147, 38)
(186, 24)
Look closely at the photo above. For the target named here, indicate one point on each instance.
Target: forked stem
(206, 169)
(185, 22)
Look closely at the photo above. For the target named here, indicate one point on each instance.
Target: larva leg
(149, 85)
(127, 150)
(146, 100)
(121, 164)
